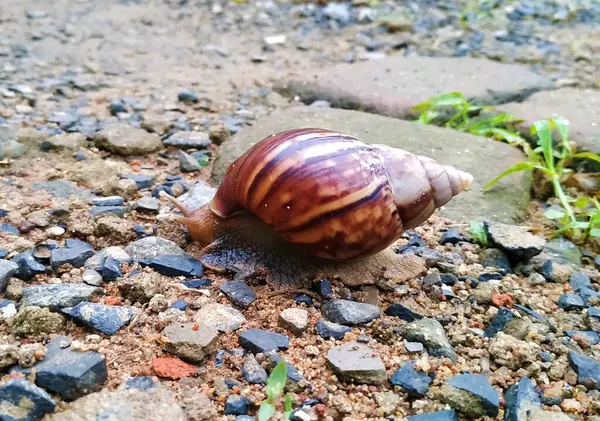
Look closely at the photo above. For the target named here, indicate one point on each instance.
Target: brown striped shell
(333, 194)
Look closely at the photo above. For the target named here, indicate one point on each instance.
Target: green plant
(274, 388)
(479, 233)
(578, 218)
(452, 110)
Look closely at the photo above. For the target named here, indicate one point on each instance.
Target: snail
(310, 201)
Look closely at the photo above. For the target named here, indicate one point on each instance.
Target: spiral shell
(333, 194)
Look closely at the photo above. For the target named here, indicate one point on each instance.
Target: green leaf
(587, 155)
(276, 381)
(582, 202)
(520, 166)
(562, 124)
(479, 233)
(542, 129)
(265, 411)
(595, 232)
(509, 136)
(554, 213)
(442, 100)
(288, 406)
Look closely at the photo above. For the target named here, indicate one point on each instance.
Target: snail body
(324, 194)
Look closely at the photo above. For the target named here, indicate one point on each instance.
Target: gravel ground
(90, 95)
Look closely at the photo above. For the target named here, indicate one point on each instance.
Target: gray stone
(345, 312)
(58, 296)
(187, 163)
(63, 142)
(127, 140)
(294, 319)
(9, 147)
(147, 205)
(393, 85)
(356, 363)
(153, 403)
(506, 201)
(7, 270)
(580, 106)
(432, 335)
(186, 140)
(91, 277)
(472, 395)
(61, 189)
(21, 400)
(515, 240)
(252, 371)
(150, 247)
(221, 317)
(70, 374)
(191, 341)
(105, 318)
(520, 399)
(198, 195)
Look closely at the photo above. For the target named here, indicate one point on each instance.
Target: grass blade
(276, 381)
(520, 166)
(265, 411)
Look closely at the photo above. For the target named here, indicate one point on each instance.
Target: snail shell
(334, 195)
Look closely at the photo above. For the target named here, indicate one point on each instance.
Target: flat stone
(175, 265)
(187, 163)
(7, 270)
(28, 266)
(188, 140)
(393, 85)
(585, 336)
(107, 201)
(415, 383)
(222, 317)
(141, 401)
(252, 371)
(191, 341)
(75, 256)
(238, 292)
(91, 277)
(444, 415)
(515, 240)
(346, 312)
(580, 106)
(147, 205)
(21, 400)
(256, 340)
(127, 140)
(150, 247)
(63, 142)
(294, 319)
(506, 201)
(520, 399)
(356, 363)
(579, 280)
(105, 318)
(431, 334)
(70, 374)
(402, 312)
(587, 369)
(142, 181)
(570, 301)
(327, 330)
(592, 318)
(472, 395)
(501, 318)
(199, 194)
(58, 296)
(61, 189)
(109, 210)
(497, 259)
(236, 405)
